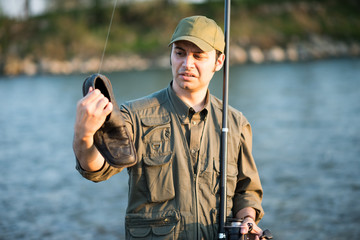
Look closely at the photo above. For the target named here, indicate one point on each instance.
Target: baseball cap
(201, 31)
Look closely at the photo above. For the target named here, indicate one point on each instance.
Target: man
(174, 186)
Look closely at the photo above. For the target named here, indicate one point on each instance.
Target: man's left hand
(248, 225)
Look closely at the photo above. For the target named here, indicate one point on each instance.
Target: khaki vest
(167, 199)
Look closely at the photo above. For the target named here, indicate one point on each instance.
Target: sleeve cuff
(93, 176)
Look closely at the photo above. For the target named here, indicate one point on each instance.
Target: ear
(219, 62)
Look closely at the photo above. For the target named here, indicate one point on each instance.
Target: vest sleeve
(101, 175)
(248, 191)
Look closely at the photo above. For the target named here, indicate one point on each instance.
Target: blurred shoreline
(69, 38)
(317, 48)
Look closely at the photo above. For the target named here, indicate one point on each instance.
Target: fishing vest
(167, 198)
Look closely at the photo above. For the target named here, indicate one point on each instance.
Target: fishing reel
(233, 231)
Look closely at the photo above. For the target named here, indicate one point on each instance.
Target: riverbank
(66, 41)
(317, 47)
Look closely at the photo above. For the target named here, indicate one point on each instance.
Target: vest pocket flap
(145, 225)
(139, 232)
(142, 232)
(158, 160)
(231, 168)
(163, 230)
(155, 121)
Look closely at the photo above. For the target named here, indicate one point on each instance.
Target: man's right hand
(91, 113)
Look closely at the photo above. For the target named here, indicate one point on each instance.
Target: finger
(256, 230)
(108, 108)
(91, 96)
(100, 103)
(90, 89)
(97, 98)
(88, 102)
(244, 229)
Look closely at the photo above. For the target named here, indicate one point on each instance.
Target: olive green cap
(201, 31)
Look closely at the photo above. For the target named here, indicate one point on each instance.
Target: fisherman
(174, 135)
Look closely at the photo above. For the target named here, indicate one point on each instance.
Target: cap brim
(197, 41)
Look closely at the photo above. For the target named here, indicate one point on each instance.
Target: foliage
(145, 27)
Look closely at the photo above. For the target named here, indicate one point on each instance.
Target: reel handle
(266, 234)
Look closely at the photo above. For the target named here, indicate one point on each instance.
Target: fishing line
(107, 37)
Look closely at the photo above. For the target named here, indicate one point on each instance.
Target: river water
(306, 126)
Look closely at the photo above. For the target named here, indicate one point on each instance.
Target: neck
(195, 99)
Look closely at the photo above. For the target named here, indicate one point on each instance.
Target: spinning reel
(233, 231)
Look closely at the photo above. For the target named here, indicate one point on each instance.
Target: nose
(188, 61)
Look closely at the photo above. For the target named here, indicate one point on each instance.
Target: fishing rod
(107, 36)
(225, 130)
(229, 230)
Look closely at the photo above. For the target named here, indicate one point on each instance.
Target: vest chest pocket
(157, 159)
(159, 178)
(156, 135)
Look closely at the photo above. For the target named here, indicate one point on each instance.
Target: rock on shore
(316, 48)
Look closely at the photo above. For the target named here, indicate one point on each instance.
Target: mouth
(187, 75)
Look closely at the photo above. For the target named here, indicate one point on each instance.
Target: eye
(199, 56)
(179, 53)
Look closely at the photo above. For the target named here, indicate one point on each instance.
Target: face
(193, 68)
